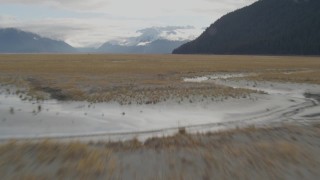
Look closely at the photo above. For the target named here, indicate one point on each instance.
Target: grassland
(283, 152)
(143, 78)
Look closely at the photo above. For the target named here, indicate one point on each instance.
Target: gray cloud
(70, 4)
(222, 7)
(152, 33)
(98, 21)
(76, 32)
(6, 19)
(236, 2)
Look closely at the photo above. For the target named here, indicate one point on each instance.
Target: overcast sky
(89, 23)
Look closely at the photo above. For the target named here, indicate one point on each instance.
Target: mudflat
(159, 117)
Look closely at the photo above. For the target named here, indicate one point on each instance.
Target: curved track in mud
(283, 102)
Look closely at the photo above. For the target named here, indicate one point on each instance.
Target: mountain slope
(277, 27)
(160, 46)
(17, 41)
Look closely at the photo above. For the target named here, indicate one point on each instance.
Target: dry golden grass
(93, 163)
(312, 77)
(30, 177)
(149, 64)
(142, 78)
(74, 158)
(262, 149)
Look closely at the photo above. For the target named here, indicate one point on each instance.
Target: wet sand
(277, 102)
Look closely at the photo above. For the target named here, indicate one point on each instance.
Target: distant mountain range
(160, 46)
(17, 41)
(275, 27)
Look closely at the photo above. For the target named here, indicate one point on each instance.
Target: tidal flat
(181, 116)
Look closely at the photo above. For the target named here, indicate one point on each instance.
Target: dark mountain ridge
(277, 27)
(16, 41)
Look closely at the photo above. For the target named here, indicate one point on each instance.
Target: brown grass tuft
(75, 150)
(92, 163)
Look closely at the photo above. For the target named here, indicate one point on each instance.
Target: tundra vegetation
(144, 78)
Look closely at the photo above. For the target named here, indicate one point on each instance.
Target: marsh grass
(310, 77)
(74, 158)
(264, 149)
(93, 163)
(143, 78)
